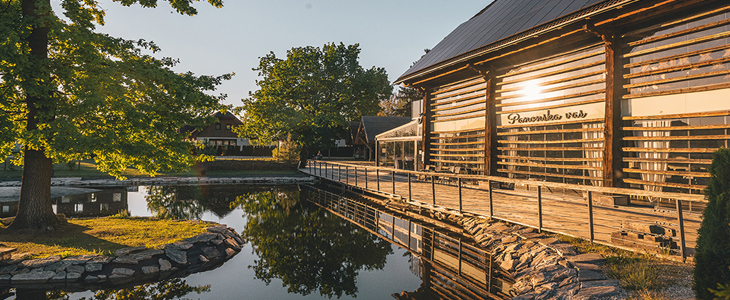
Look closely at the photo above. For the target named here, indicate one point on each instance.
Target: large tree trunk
(35, 210)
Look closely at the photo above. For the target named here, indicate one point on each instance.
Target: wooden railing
(546, 206)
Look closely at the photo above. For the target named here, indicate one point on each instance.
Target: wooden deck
(565, 213)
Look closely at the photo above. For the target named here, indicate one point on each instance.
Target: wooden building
(595, 92)
(220, 133)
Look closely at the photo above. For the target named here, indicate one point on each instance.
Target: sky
(391, 33)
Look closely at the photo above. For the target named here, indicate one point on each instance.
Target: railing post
(409, 186)
(377, 178)
(459, 256)
(356, 176)
(590, 215)
(347, 175)
(392, 180)
(339, 173)
(680, 218)
(366, 178)
(460, 200)
(433, 189)
(539, 208)
(491, 201)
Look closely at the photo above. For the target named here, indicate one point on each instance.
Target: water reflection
(449, 267)
(307, 248)
(163, 290)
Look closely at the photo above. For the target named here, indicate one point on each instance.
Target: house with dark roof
(219, 133)
(613, 93)
(369, 127)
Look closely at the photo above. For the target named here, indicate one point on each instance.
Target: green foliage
(97, 96)
(400, 104)
(165, 290)
(305, 247)
(722, 292)
(313, 95)
(712, 257)
(288, 151)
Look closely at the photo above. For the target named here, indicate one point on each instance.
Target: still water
(301, 243)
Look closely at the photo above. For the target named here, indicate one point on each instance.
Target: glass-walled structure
(400, 147)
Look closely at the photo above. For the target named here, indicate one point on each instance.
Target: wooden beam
(426, 127)
(612, 130)
(490, 128)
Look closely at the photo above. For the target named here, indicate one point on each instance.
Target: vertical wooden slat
(539, 208)
(490, 130)
(590, 216)
(460, 199)
(433, 189)
(392, 180)
(426, 127)
(491, 200)
(612, 129)
(377, 154)
(409, 186)
(680, 218)
(377, 179)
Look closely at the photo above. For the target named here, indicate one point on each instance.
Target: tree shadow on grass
(43, 243)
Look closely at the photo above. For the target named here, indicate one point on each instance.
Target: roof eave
(505, 42)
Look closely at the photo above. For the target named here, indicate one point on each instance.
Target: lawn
(101, 236)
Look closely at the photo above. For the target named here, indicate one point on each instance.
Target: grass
(87, 169)
(100, 236)
(644, 274)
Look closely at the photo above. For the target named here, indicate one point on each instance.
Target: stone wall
(129, 266)
(542, 266)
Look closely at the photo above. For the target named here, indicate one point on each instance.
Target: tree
(70, 93)
(400, 104)
(712, 257)
(307, 248)
(313, 95)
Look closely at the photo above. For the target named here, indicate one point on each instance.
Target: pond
(301, 243)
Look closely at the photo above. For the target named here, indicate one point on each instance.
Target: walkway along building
(605, 93)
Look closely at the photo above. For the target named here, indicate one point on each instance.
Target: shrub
(634, 273)
(712, 257)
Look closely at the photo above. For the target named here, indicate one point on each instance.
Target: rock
(93, 267)
(217, 242)
(59, 277)
(567, 292)
(165, 265)
(546, 291)
(72, 276)
(202, 238)
(595, 283)
(508, 264)
(597, 292)
(588, 275)
(39, 263)
(101, 260)
(91, 278)
(8, 269)
(77, 260)
(101, 277)
(211, 253)
(549, 241)
(126, 251)
(176, 255)
(32, 277)
(202, 259)
(232, 244)
(57, 266)
(593, 258)
(238, 239)
(75, 269)
(583, 266)
(150, 270)
(509, 239)
(568, 281)
(146, 254)
(230, 253)
(180, 245)
(123, 271)
(21, 271)
(217, 229)
(128, 260)
(5, 278)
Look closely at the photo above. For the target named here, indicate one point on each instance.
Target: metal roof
(499, 20)
(374, 125)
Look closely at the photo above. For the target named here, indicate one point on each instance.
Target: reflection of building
(447, 263)
(594, 92)
(107, 202)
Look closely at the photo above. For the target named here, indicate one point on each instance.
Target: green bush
(634, 273)
(712, 257)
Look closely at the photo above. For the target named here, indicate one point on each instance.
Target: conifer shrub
(712, 257)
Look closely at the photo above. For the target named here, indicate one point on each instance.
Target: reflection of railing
(600, 214)
(450, 265)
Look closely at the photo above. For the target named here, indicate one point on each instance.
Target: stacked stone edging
(133, 265)
(542, 266)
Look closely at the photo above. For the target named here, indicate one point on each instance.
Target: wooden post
(355, 176)
(612, 130)
(460, 200)
(680, 218)
(347, 175)
(377, 179)
(490, 130)
(339, 173)
(392, 180)
(433, 189)
(459, 256)
(590, 216)
(366, 178)
(539, 208)
(409, 186)
(491, 201)
(426, 127)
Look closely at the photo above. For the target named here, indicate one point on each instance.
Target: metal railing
(597, 214)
